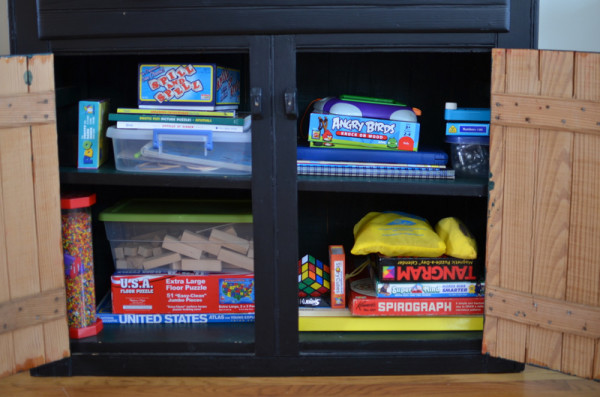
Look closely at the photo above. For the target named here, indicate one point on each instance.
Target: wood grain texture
(495, 201)
(552, 208)
(583, 273)
(32, 247)
(549, 210)
(19, 214)
(533, 381)
(44, 146)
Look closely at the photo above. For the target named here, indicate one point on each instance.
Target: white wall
(563, 25)
(4, 42)
(569, 25)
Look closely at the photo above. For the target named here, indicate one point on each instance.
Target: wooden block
(230, 241)
(130, 250)
(250, 253)
(121, 264)
(176, 265)
(156, 251)
(119, 253)
(201, 265)
(145, 250)
(236, 259)
(154, 236)
(173, 244)
(157, 261)
(200, 242)
(135, 261)
(230, 230)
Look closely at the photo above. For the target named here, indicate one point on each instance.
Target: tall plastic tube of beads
(79, 265)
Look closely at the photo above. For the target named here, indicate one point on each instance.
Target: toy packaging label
(467, 129)
(329, 130)
(368, 305)
(92, 146)
(182, 293)
(337, 266)
(201, 85)
(444, 268)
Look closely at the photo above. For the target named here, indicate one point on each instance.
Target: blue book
(429, 156)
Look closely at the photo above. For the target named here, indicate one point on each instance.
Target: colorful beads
(79, 267)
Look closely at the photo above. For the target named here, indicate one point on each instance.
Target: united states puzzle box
(181, 293)
(203, 86)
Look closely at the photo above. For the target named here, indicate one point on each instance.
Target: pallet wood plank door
(543, 233)
(32, 290)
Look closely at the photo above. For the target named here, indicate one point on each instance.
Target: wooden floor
(533, 381)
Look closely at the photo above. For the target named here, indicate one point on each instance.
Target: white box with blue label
(203, 86)
(467, 121)
(331, 130)
(92, 146)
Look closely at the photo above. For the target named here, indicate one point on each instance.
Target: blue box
(92, 146)
(467, 129)
(330, 130)
(188, 86)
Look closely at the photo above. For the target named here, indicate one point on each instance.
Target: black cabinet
(425, 52)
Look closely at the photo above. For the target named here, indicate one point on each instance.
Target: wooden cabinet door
(543, 242)
(33, 322)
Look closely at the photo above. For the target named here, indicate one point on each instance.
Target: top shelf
(108, 175)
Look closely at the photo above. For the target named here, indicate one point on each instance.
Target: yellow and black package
(459, 240)
(396, 234)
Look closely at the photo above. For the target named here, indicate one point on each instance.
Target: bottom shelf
(154, 350)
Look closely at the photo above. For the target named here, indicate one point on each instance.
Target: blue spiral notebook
(431, 156)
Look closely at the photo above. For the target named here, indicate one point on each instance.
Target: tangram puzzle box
(182, 293)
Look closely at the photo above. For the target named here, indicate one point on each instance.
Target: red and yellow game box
(182, 293)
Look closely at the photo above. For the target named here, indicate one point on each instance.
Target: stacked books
(426, 164)
(412, 286)
(354, 136)
(186, 121)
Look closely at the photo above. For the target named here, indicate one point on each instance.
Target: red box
(362, 302)
(182, 293)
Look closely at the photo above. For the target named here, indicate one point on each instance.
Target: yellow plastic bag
(396, 234)
(459, 240)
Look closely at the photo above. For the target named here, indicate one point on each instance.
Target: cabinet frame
(278, 348)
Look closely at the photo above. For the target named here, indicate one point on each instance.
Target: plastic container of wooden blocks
(155, 236)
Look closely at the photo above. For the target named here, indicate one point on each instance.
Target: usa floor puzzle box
(172, 292)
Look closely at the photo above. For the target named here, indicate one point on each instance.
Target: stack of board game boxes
(180, 261)
(368, 137)
(186, 122)
(405, 276)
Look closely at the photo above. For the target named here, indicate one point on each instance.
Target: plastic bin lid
(468, 140)
(179, 210)
(71, 201)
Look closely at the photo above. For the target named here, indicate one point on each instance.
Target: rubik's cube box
(92, 146)
(172, 292)
(203, 86)
(330, 130)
